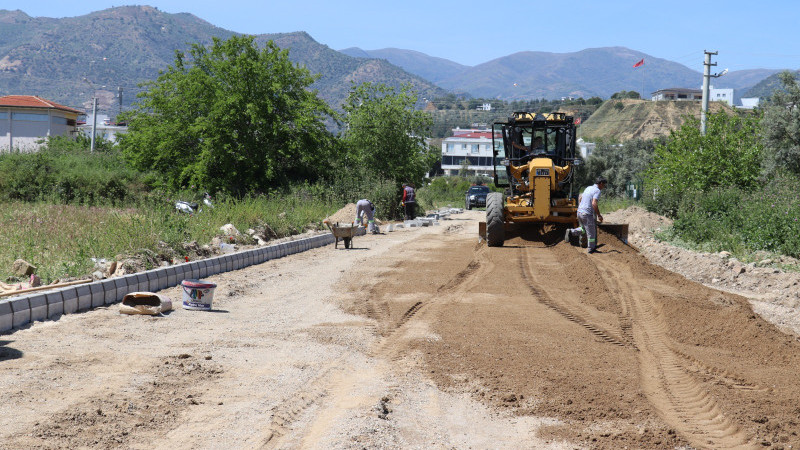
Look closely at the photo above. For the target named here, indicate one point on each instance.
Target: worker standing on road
(409, 200)
(365, 207)
(589, 214)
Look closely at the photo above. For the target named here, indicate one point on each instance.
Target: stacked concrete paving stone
(18, 311)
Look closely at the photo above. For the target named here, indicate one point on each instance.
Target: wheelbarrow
(343, 231)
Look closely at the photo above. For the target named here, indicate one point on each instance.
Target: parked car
(476, 197)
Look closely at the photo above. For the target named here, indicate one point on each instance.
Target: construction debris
(148, 303)
(23, 288)
(22, 268)
(229, 230)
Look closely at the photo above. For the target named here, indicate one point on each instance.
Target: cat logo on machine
(542, 172)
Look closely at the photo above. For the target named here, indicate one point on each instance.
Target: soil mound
(346, 214)
(771, 284)
(639, 219)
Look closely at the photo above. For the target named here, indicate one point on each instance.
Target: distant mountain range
(69, 60)
(591, 72)
(431, 68)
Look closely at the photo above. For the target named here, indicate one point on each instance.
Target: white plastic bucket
(197, 294)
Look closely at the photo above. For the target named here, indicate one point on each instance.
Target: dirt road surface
(420, 338)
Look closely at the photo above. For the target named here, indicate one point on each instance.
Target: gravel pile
(346, 214)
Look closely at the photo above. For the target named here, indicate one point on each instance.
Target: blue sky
(748, 35)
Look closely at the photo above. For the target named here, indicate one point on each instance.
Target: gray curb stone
(97, 295)
(55, 304)
(84, 297)
(19, 311)
(38, 305)
(70, 297)
(6, 317)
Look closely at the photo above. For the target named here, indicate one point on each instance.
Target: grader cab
(535, 159)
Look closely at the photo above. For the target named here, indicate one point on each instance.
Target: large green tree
(231, 117)
(385, 135)
(728, 155)
(781, 127)
(620, 164)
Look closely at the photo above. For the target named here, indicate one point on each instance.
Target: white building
(105, 128)
(724, 95)
(731, 98)
(750, 102)
(585, 148)
(471, 145)
(677, 94)
(26, 120)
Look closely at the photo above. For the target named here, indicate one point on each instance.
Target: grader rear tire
(495, 223)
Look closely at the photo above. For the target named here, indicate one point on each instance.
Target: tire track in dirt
(463, 282)
(569, 310)
(290, 409)
(679, 397)
(338, 379)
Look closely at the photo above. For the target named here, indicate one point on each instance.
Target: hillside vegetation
(428, 67)
(124, 46)
(622, 120)
(766, 87)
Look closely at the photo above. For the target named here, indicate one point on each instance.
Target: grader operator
(535, 160)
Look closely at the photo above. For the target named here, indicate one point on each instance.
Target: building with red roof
(472, 145)
(26, 120)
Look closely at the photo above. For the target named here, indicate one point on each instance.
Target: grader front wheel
(495, 223)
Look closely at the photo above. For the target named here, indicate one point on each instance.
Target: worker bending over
(365, 207)
(589, 214)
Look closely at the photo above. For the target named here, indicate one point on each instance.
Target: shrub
(728, 155)
(64, 171)
(770, 216)
(706, 217)
(741, 220)
(350, 184)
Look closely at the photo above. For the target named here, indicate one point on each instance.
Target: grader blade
(619, 230)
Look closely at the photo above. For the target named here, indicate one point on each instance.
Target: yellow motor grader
(535, 161)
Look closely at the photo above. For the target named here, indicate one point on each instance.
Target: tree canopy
(625, 94)
(781, 127)
(729, 155)
(231, 117)
(385, 135)
(620, 164)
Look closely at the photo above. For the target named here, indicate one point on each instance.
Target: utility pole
(706, 75)
(120, 103)
(94, 123)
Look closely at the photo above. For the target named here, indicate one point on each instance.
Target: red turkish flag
(640, 63)
(578, 121)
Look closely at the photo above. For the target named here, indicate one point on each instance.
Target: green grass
(61, 239)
